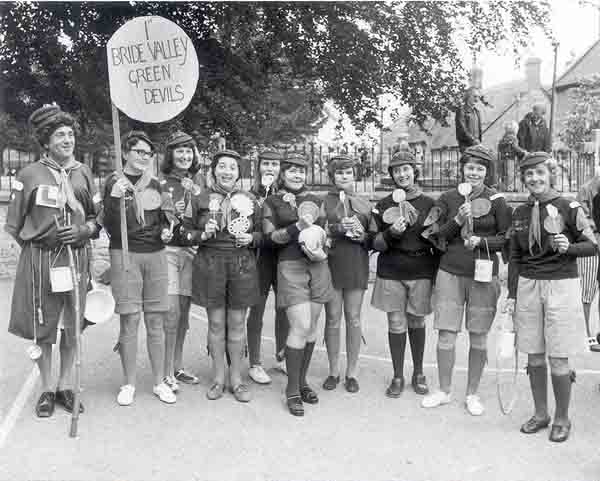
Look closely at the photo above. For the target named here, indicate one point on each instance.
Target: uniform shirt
(141, 237)
(200, 214)
(491, 227)
(545, 262)
(409, 256)
(33, 203)
(279, 222)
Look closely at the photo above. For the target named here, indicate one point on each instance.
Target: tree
(268, 67)
(584, 115)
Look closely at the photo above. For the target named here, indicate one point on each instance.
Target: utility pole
(553, 100)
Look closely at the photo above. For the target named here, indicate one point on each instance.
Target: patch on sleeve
(574, 204)
(97, 198)
(375, 211)
(499, 195)
(17, 185)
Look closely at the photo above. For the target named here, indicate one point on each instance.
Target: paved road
(361, 436)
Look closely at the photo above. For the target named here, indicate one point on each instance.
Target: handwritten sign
(152, 69)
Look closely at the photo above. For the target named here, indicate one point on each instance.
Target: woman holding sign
(548, 235)
(473, 223)
(181, 183)
(406, 267)
(55, 187)
(269, 163)
(294, 220)
(225, 222)
(143, 286)
(348, 218)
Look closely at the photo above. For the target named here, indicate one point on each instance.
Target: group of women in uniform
(208, 242)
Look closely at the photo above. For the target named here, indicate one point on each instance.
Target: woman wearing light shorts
(225, 222)
(348, 219)
(406, 267)
(143, 286)
(472, 230)
(181, 183)
(548, 234)
(303, 278)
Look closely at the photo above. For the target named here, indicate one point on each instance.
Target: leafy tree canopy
(584, 115)
(267, 68)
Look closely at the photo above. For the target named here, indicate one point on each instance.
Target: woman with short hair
(406, 267)
(181, 181)
(225, 222)
(348, 218)
(549, 233)
(294, 220)
(142, 287)
(55, 188)
(473, 224)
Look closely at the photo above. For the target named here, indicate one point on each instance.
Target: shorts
(300, 281)
(144, 286)
(179, 267)
(404, 296)
(547, 314)
(225, 278)
(453, 292)
(588, 275)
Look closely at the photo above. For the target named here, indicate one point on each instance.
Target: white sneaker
(172, 383)
(438, 398)
(474, 405)
(258, 375)
(126, 395)
(164, 393)
(280, 366)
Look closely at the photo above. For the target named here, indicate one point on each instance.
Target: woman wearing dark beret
(348, 218)
(181, 181)
(406, 267)
(549, 233)
(225, 222)
(55, 187)
(474, 220)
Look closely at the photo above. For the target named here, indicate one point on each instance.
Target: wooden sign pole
(119, 169)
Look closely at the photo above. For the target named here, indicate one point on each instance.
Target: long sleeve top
(408, 256)
(34, 203)
(141, 236)
(545, 262)
(195, 221)
(280, 214)
(491, 227)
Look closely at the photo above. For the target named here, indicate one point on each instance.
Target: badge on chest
(49, 196)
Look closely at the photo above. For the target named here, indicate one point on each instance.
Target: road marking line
(15, 411)
(202, 317)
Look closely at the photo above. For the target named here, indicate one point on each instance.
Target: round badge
(239, 225)
(242, 204)
(554, 224)
(187, 184)
(267, 180)
(392, 214)
(308, 207)
(398, 196)
(151, 199)
(464, 189)
(480, 207)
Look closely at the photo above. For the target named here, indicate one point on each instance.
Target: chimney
(476, 77)
(533, 67)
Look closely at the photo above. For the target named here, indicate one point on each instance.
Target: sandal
(215, 392)
(241, 393)
(295, 406)
(45, 405)
(308, 395)
(331, 382)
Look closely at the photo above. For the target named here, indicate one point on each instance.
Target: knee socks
(417, 348)
(397, 348)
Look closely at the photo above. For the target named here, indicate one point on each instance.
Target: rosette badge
(242, 204)
(553, 223)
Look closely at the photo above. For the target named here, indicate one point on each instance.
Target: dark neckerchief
(535, 227)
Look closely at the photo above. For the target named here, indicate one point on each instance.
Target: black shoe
(534, 425)
(419, 384)
(331, 382)
(559, 433)
(45, 405)
(351, 384)
(308, 395)
(66, 399)
(294, 404)
(186, 378)
(395, 388)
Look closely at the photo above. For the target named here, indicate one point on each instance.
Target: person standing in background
(533, 134)
(468, 121)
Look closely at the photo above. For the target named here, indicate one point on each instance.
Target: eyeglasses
(143, 153)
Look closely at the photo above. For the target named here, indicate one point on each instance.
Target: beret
(178, 138)
(340, 161)
(296, 158)
(225, 153)
(402, 157)
(534, 158)
(479, 154)
(270, 154)
(137, 134)
(44, 115)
